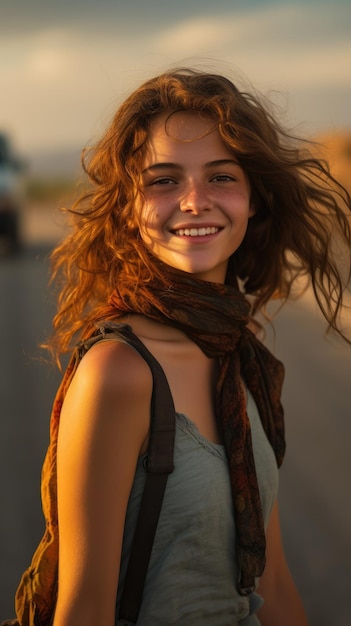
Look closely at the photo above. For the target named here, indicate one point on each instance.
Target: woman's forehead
(183, 126)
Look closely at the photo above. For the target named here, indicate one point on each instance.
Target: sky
(66, 65)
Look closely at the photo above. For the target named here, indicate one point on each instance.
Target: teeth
(197, 232)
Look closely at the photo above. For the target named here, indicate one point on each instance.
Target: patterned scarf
(215, 317)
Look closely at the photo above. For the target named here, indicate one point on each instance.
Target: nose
(195, 199)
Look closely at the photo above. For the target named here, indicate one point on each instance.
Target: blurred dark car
(10, 197)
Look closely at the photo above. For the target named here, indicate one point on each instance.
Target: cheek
(150, 216)
(149, 224)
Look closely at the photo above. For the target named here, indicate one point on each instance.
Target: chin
(213, 275)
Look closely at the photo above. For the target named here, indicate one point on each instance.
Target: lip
(184, 225)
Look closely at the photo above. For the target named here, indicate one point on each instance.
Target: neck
(153, 330)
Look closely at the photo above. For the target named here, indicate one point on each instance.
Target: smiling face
(195, 204)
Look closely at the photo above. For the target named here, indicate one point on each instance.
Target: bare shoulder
(115, 366)
(112, 385)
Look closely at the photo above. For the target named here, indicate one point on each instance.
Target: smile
(197, 232)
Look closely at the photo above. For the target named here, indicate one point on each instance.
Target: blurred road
(315, 479)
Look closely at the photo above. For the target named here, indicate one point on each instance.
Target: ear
(252, 209)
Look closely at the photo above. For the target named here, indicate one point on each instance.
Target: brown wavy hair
(301, 210)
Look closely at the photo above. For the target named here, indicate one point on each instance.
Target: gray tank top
(191, 580)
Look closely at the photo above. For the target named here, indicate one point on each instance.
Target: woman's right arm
(104, 424)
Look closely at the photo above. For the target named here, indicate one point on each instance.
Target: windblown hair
(301, 210)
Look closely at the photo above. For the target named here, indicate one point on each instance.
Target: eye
(164, 180)
(223, 178)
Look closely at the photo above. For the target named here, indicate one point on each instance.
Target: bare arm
(104, 423)
(282, 601)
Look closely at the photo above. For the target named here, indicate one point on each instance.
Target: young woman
(201, 210)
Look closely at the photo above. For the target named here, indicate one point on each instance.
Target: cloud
(289, 43)
(49, 58)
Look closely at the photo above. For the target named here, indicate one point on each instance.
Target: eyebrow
(160, 166)
(217, 163)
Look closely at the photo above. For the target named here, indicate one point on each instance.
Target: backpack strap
(159, 465)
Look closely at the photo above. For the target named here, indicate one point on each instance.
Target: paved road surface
(315, 479)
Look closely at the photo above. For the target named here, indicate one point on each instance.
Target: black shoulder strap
(159, 465)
